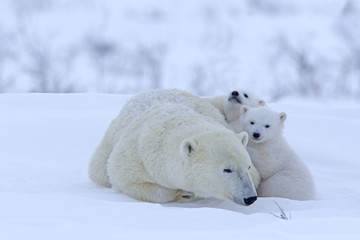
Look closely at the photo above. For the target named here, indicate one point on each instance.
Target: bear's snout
(250, 200)
(235, 97)
(235, 94)
(256, 135)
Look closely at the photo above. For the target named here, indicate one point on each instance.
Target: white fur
(229, 104)
(169, 145)
(282, 173)
(131, 111)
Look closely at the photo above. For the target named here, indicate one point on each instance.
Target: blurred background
(276, 48)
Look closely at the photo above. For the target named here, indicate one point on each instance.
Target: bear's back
(171, 120)
(139, 103)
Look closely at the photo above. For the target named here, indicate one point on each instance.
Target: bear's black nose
(235, 93)
(256, 135)
(250, 200)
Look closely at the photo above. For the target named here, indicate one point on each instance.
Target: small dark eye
(245, 95)
(267, 126)
(227, 170)
(252, 123)
(249, 167)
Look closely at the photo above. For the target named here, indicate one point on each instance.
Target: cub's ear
(188, 147)
(262, 103)
(244, 138)
(283, 117)
(244, 109)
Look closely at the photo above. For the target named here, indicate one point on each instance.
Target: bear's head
(219, 166)
(237, 98)
(261, 123)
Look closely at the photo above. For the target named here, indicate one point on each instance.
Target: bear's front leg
(151, 192)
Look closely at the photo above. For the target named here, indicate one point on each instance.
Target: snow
(47, 140)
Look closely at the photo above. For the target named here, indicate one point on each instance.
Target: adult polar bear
(170, 145)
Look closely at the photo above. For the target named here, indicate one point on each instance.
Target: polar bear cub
(229, 104)
(282, 173)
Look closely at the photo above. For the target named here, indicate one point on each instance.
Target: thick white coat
(131, 111)
(169, 145)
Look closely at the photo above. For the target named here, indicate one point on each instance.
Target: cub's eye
(245, 95)
(227, 170)
(252, 123)
(249, 167)
(267, 126)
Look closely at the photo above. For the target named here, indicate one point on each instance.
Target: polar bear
(169, 145)
(229, 104)
(282, 173)
(134, 108)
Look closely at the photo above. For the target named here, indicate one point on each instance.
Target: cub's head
(219, 166)
(261, 123)
(237, 98)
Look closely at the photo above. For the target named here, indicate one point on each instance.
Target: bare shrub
(198, 81)
(49, 71)
(126, 69)
(301, 74)
(348, 82)
(7, 55)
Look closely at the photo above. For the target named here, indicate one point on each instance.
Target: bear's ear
(262, 103)
(188, 146)
(244, 138)
(283, 117)
(244, 109)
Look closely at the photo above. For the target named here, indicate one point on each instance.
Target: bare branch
(282, 214)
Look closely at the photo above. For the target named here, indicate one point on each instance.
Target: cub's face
(244, 97)
(220, 167)
(261, 123)
(237, 98)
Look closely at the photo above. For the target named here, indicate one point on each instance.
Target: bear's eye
(267, 126)
(190, 149)
(245, 95)
(249, 167)
(227, 170)
(252, 123)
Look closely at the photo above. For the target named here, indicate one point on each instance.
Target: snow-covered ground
(46, 141)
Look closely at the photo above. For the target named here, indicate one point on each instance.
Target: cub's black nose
(250, 200)
(235, 93)
(256, 135)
